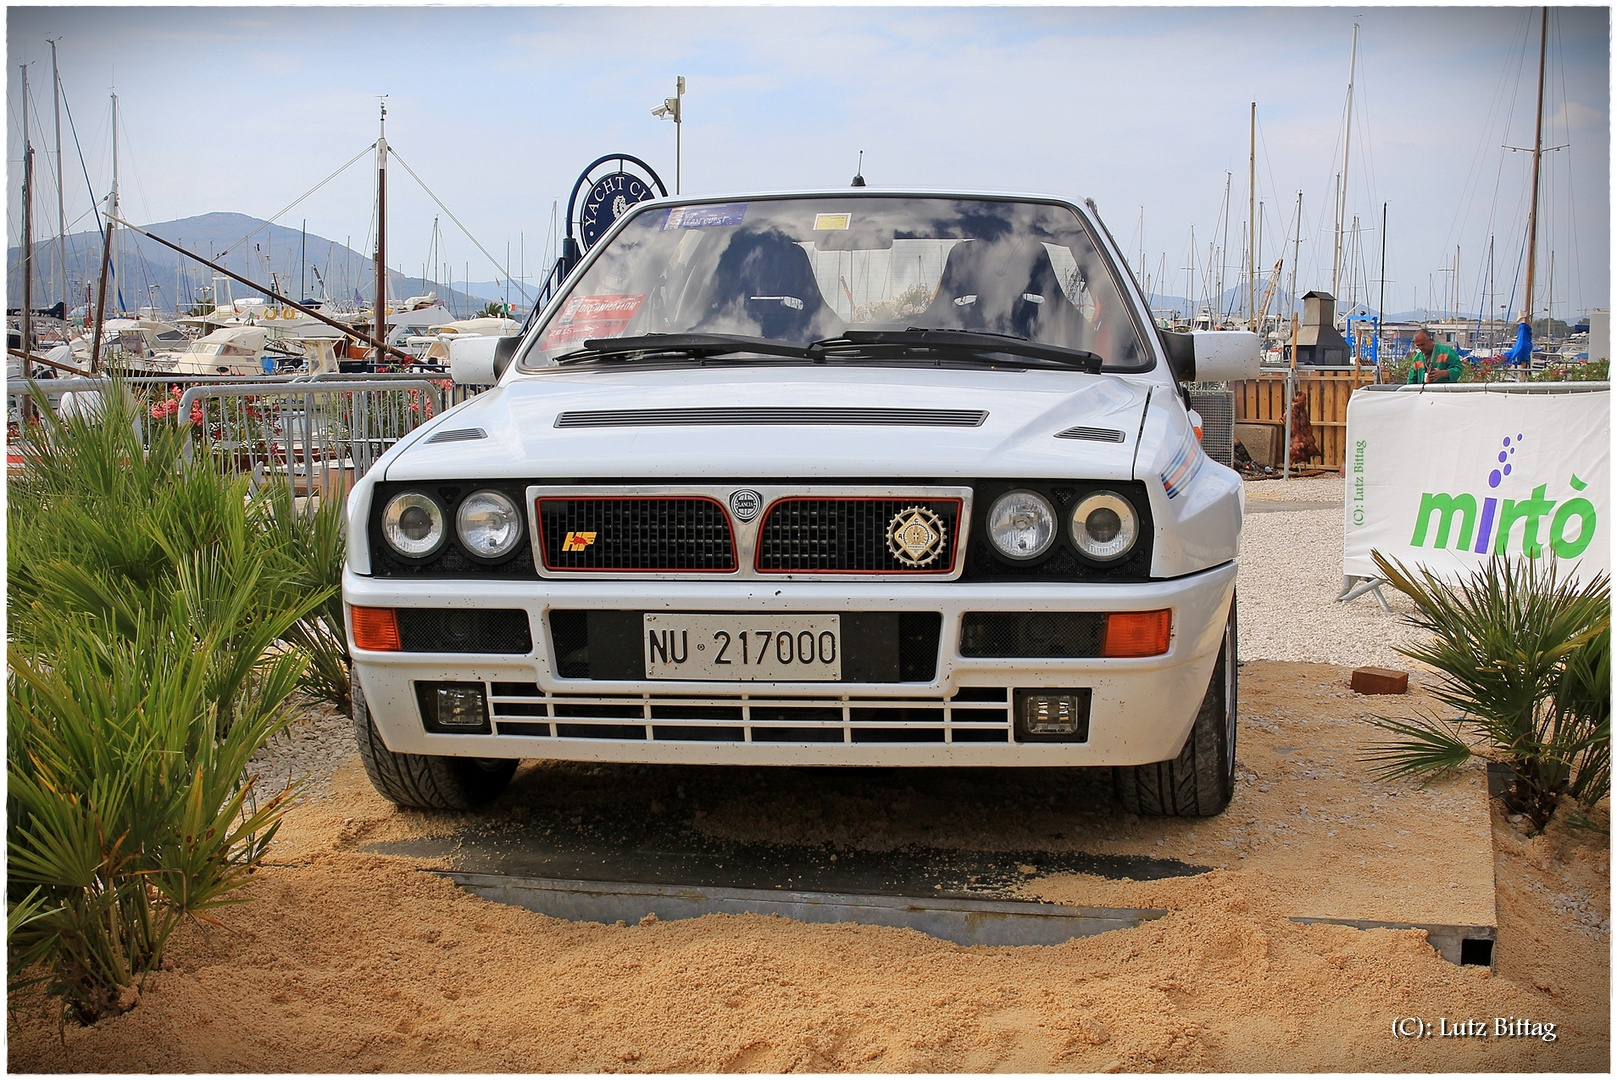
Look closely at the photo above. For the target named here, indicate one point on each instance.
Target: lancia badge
(915, 536)
(745, 504)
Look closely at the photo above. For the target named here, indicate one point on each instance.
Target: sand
(346, 961)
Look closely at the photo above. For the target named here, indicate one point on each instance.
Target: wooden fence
(1263, 401)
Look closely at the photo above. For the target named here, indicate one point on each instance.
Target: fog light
(1061, 715)
(453, 707)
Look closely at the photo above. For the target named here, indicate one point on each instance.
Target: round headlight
(1105, 526)
(1021, 525)
(413, 524)
(488, 524)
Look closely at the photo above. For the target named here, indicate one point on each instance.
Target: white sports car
(835, 478)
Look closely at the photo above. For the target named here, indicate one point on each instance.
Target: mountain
(245, 245)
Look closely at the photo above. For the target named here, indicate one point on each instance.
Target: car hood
(1025, 410)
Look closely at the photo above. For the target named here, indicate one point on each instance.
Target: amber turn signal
(375, 629)
(1134, 633)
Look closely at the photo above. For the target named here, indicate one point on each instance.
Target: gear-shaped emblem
(915, 536)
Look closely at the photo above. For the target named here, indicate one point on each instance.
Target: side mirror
(1212, 355)
(480, 361)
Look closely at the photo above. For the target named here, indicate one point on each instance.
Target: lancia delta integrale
(848, 478)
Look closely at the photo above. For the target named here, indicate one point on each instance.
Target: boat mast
(1252, 222)
(1538, 155)
(27, 226)
(1493, 330)
(1347, 146)
(1223, 251)
(1297, 246)
(379, 331)
(61, 216)
(116, 211)
(1381, 304)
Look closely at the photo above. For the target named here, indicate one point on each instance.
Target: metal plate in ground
(965, 922)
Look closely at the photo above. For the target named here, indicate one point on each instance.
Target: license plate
(743, 648)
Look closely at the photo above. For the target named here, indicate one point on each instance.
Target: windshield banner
(585, 317)
(1447, 479)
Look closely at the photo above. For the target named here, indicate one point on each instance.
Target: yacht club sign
(1448, 478)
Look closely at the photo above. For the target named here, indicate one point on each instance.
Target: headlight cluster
(488, 524)
(1023, 525)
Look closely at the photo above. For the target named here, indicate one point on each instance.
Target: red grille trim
(942, 568)
(544, 540)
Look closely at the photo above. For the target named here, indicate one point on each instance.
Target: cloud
(499, 108)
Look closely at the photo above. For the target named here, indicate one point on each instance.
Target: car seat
(1002, 287)
(764, 285)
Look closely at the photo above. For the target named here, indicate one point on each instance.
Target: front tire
(1201, 780)
(424, 781)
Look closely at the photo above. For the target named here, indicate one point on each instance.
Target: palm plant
(1525, 657)
(155, 640)
(312, 544)
(127, 812)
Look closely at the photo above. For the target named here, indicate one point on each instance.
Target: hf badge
(915, 536)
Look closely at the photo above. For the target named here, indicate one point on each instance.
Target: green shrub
(312, 545)
(1526, 659)
(1593, 371)
(102, 528)
(126, 810)
(159, 621)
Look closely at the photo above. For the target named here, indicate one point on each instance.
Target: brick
(1379, 680)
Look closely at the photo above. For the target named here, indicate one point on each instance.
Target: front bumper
(1141, 710)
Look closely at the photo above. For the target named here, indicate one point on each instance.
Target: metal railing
(315, 433)
(316, 436)
(1492, 388)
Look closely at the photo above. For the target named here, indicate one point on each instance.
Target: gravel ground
(318, 740)
(1291, 574)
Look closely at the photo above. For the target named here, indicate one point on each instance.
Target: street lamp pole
(670, 110)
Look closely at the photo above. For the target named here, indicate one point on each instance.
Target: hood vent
(757, 416)
(459, 435)
(1093, 434)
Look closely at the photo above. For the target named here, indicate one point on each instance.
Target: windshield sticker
(828, 222)
(705, 217)
(585, 317)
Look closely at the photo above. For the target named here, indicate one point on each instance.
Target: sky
(1145, 110)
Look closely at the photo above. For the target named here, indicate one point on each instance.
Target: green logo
(1446, 518)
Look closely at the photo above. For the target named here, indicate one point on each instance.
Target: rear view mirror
(1212, 355)
(480, 361)
(1226, 355)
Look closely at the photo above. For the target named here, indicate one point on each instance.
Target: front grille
(1042, 634)
(461, 630)
(877, 646)
(973, 715)
(765, 415)
(636, 533)
(851, 536)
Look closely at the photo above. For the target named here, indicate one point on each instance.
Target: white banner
(1447, 478)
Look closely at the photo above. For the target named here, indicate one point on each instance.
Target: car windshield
(805, 269)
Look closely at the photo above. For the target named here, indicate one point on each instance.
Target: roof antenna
(859, 174)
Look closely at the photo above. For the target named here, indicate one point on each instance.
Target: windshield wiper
(692, 345)
(969, 342)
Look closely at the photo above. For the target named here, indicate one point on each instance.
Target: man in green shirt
(1431, 362)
